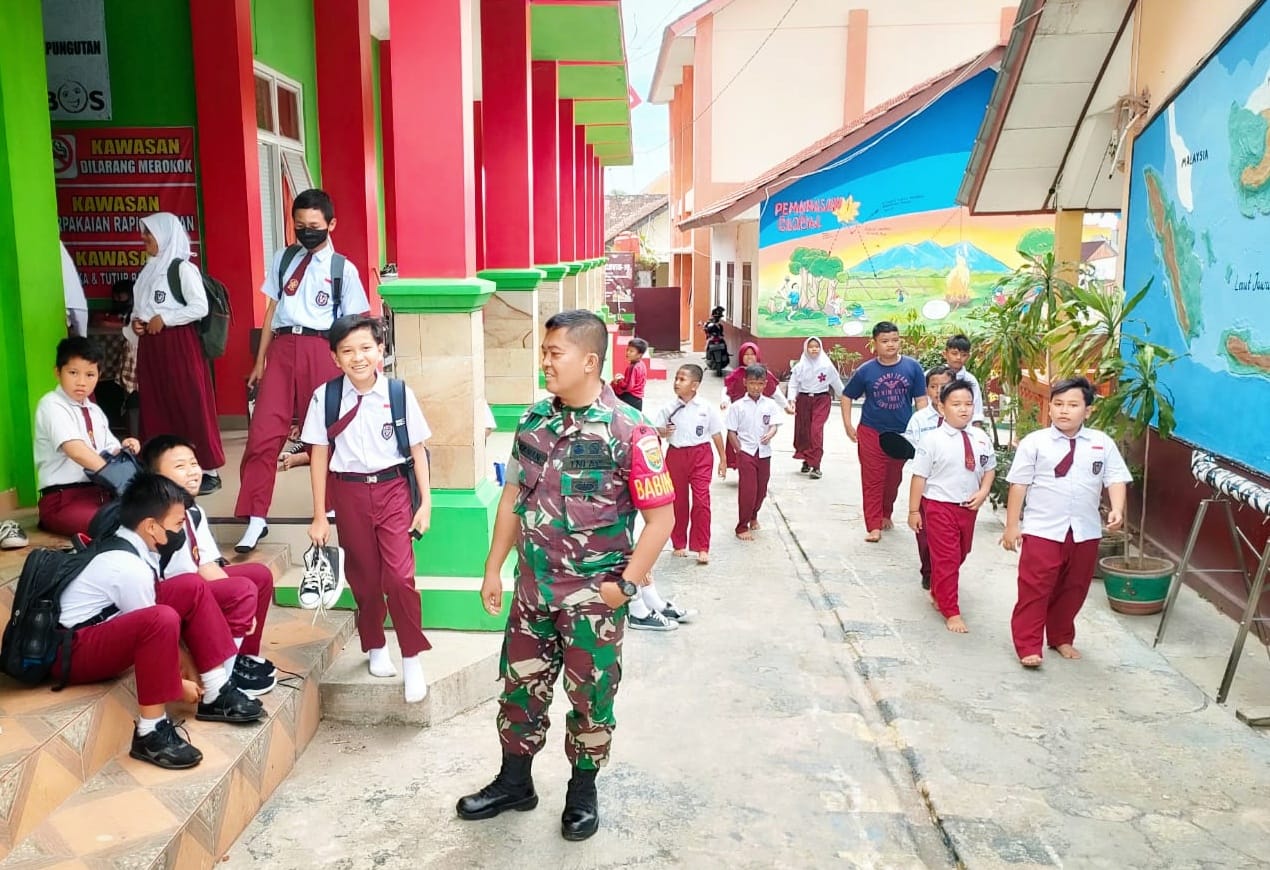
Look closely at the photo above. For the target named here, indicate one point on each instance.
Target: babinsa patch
(650, 446)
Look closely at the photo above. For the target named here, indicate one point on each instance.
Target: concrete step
(462, 672)
(291, 533)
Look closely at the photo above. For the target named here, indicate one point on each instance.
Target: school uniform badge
(160, 296)
(983, 460)
(386, 431)
(767, 419)
(1098, 467)
(322, 298)
(701, 430)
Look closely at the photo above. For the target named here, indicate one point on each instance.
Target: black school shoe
(252, 679)
(209, 484)
(165, 747)
(231, 705)
(581, 816)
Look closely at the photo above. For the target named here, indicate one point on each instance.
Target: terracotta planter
(1111, 544)
(1137, 586)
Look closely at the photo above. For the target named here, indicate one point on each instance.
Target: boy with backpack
(91, 616)
(366, 433)
(309, 287)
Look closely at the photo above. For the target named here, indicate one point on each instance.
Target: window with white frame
(280, 150)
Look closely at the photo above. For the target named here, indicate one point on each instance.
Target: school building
(463, 141)
(1158, 109)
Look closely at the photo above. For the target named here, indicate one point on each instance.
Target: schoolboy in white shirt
(927, 420)
(1060, 473)
(73, 437)
(952, 476)
(689, 426)
(956, 353)
(752, 422)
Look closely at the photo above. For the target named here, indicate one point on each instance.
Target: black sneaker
(231, 705)
(815, 474)
(209, 484)
(806, 468)
(165, 747)
(265, 668)
(252, 683)
(925, 582)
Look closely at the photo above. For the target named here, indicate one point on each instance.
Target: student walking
(629, 386)
(689, 425)
(734, 387)
(752, 423)
(812, 384)
(926, 420)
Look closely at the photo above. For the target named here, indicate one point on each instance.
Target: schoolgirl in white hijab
(811, 386)
(152, 294)
(814, 372)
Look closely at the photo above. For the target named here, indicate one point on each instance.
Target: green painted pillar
(550, 291)
(512, 342)
(31, 303)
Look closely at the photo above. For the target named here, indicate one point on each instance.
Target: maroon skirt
(174, 387)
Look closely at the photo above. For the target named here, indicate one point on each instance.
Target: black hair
(122, 287)
(694, 371)
(314, 198)
(884, 326)
(77, 346)
(154, 449)
(350, 323)
(584, 329)
(640, 345)
(958, 342)
(953, 386)
(936, 371)
(717, 311)
(1082, 384)
(755, 372)
(149, 497)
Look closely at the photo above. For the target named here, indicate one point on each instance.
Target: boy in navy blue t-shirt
(890, 384)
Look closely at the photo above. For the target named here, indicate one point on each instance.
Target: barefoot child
(812, 384)
(1059, 473)
(752, 423)
(923, 421)
(952, 476)
(629, 387)
(689, 424)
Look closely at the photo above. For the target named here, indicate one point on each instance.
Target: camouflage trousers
(580, 635)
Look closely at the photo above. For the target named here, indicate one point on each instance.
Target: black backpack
(213, 329)
(34, 633)
(337, 276)
(397, 404)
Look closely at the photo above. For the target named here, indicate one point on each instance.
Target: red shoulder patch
(650, 484)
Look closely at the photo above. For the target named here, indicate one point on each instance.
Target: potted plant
(844, 360)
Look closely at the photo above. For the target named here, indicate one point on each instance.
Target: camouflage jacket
(583, 475)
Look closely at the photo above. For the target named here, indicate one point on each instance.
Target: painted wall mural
(1198, 227)
(877, 234)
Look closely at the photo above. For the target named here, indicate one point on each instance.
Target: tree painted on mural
(817, 276)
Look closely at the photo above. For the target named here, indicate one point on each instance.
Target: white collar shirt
(369, 444)
(1055, 504)
(750, 420)
(965, 375)
(119, 578)
(923, 420)
(814, 380)
(201, 541)
(695, 422)
(312, 305)
(941, 459)
(59, 419)
(159, 299)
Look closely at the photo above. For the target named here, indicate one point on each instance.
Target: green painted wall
(283, 40)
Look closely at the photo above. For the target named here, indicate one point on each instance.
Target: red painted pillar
(346, 129)
(546, 160)
(478, 172)
(432, 129)
(229, 172)
(505, 60)
(386, 134)
(579, 193)
(564, 120)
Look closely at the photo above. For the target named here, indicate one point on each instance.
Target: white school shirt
(750, 421)
(1056, 504)
(124, 578)
(923, 420)
(58, 419)
(369, 444)
(821, 379)
(160, 300)
(182, 561)
(696, 422)
(964, 374)
(311, 306)
(941, 459)
(73, 292)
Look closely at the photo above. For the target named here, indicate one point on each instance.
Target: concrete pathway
(818, 714)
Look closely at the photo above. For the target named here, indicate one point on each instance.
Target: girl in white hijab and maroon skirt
(174, 380)
(812, 384)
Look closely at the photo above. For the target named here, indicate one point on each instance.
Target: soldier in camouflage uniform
(582, 465)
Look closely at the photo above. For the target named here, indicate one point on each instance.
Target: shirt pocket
(589, 500)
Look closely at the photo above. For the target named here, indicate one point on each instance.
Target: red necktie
(940, 423)
(193, 539)
(293, 283)
(342, 423)
(1065, 464)
(88, 424)
(970, 451)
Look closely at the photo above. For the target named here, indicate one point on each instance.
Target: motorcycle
(717, 356)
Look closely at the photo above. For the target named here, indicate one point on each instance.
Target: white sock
(648, 594)
(330, 515)
(146, 726)
(213, 681)
(381, 663)
(255, 526)
(229, 664)
(416, 685)
(211, 473)
(639, 609)
(260, 660)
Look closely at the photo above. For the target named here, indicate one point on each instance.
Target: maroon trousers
(261, 580)
(751, 487)
(174, 382)
(295, 366)
(923, 544)
(1054, 579)
(810, 415)
(690, 471)
(236, 598)
(879, 478)
(950, 530)
(149, 641)
(374, 523)
(69, 511)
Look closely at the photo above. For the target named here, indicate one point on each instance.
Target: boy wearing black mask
(309, 286)
(129, 621)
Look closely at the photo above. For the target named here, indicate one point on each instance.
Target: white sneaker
(677, 613)
(11, 536)
(318, 580)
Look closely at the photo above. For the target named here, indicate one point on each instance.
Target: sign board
(110, 178)
(75, 60)
(619, 279)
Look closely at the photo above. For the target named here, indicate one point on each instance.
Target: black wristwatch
(629, 589)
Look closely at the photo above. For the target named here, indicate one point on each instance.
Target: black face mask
(309, 237)
(171, 546)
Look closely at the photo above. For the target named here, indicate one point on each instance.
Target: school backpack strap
(174, 281)
(397, 405)
(337, 285)
(288, 256)
(333, 389)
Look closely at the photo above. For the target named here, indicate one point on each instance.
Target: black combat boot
(581, 817)
(512, 789)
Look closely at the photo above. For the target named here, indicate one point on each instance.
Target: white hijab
(174, 244)
(808, 370)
